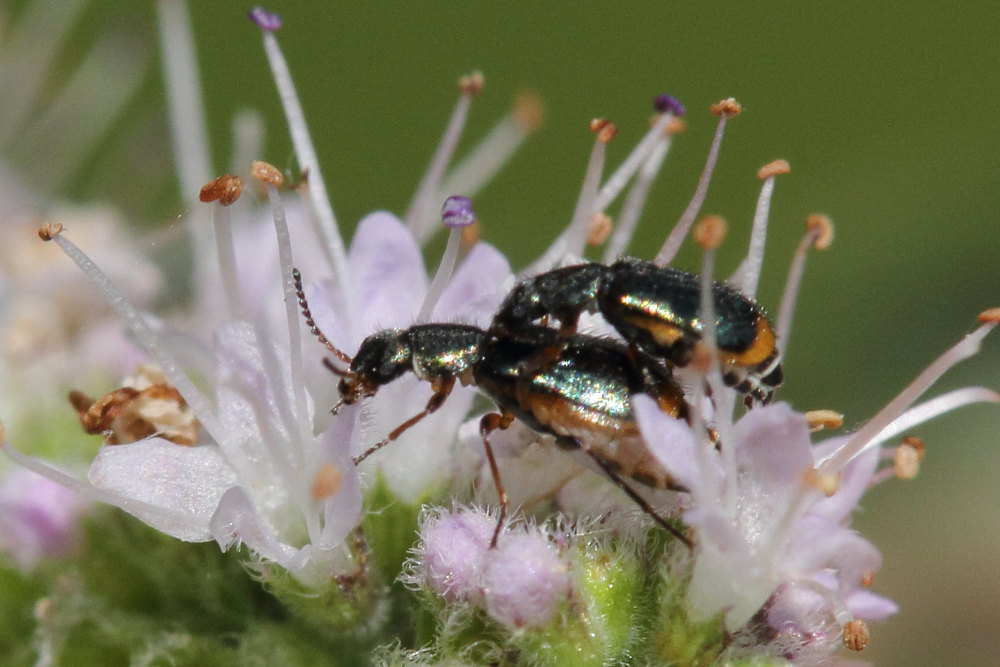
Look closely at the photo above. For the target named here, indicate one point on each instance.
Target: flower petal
(670, 440)
(475, 290)
(190, 480)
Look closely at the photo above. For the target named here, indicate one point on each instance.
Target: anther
(988, 316)
(225, 189)
(856, 635)
(867, 579)
(326, 482)
(907, 458)
(472, 84)
(827, 483)
(528, 110)
(265, 20)
(457, 212)
(600, 228)
(49, 230)
(265, 172)
(710, 232)
(470, 236)
(675, 126)
(775, 168)
(823, 419)
(820, 229)
(605, 129)
(668, 104)
(728, 108)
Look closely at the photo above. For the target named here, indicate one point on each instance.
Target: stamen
(635, 202)
(192, 153)
(248, 138)
(819, 235)
(825, 483)
(856, 635)
(420, 212)
(321, 208)
(724, 110)
(226, 190)
(823, 419)
(668, 108)
(571, 241)
(909, 454)
(270, 176)
(935, 407)
(489, 155)
(867, 435)
(751, 266)
(600, 229)
(457, 214)
(142, 331)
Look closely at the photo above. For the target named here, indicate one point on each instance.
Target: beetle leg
(490, 422)
(442, 387)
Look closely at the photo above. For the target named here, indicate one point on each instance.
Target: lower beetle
(580, 392)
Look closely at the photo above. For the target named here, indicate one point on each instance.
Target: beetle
(657, 310)
(578, 391)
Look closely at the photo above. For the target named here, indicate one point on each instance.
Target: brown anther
(529, 111)
(821, 419)
(820, 228)
(776, 168)
(710, 232)
(470, 235)
(856, 635)
(907, 458)
(674, 126)
(828, 483)
(867, 579)
(472, 84)
(49, 230)
(265, 172)
(989, 316)
(728, 107)
(917, 444)
(326, 482)
(225, 189)
(599, 230)
(604, 128)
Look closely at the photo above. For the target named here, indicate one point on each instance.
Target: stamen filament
(226, 253)
(635, 202)
(867, 435)
(305, 153)
(680, 230)
(443, 274)
(933, 408)
(147, 338)
(819, 234)
(751, 266)
(623, 174)
(420, 214)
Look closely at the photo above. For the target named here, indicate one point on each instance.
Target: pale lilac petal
(39, 518)
(671, 442)
(389, 276)
(854, 482)
(773, 445)
(237, 521)
(476, 289)
(869, 606)
(817, 543)
(190, 480)
(342, 510)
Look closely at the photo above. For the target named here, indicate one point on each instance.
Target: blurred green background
(886, 112)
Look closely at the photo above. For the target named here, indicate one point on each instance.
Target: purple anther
(457, 212)
(669, 103)
(265, 20)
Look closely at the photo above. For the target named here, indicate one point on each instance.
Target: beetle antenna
(313, 327)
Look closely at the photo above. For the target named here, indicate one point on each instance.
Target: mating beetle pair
(575, 387)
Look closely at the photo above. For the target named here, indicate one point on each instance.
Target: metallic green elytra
(657, 310)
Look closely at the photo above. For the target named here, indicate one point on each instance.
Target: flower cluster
(225, 434)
